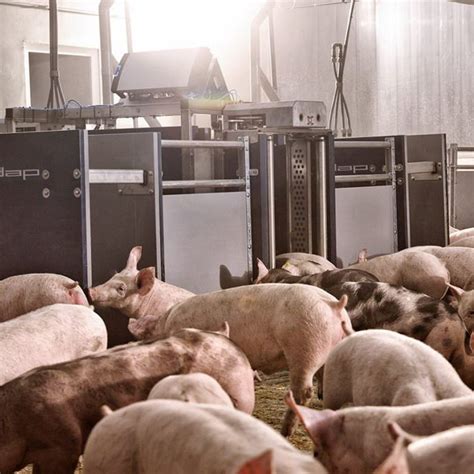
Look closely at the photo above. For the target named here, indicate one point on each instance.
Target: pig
(300, 264)
(47, 414)
(137, 293)
(322, 279)
(447, 451)
(295, 263)
(49, 335)
(192, 388)
(403, 372)
(356, 440)
(460, 263)
(376, 305)
(278, 326)
(417, 271)
(457, 235)
(467, 242)
(22, 294)
(169, 436)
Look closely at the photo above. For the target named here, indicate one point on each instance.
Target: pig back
(261, 317)
(24, 293)
(197, 439)
(49, 335)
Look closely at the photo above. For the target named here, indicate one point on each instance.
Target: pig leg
(319, 378)
(55, 462)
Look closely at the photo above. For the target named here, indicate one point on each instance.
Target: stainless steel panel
(296, 113)
(300, 208)
(364, 219)
(202, 232)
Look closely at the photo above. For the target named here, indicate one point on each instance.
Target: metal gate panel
(202, 232)
(300, 202)
(364, 219)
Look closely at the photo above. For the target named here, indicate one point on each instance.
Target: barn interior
(217, 144)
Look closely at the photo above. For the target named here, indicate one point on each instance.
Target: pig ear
(396, 462)
(134, 257)
(438, 287)
(145, 280)
(314, 421)
(362, 257)
(262, 464)
(455, 291)
(142, 328)
(262, 271)
(105, 410)
(224, 330)
(290, 268)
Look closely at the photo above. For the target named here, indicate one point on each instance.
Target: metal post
(187, 163)
(106, 49)
(321, 190)
(271, 202)
(248, 207)
(453, 165)
(392, 172)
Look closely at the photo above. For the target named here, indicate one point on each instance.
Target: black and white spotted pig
(327, 278)
(375, 305)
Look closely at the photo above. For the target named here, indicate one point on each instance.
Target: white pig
(168, 436)
(192, 388)
(380, 367)
(356, 440)
(441, 453)
(417, 271)
(21, 294)
(47, 336)
(457, 235)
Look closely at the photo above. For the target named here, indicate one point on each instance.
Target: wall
(409, 70)
(22, 28)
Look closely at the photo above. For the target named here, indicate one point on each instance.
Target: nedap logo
(24, 174)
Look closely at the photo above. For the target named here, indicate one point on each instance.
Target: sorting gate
(76, 203)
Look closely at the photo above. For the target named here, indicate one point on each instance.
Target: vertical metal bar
(321, 198)
(453, 173)
(187, 163)
(248, 206)
(271, 30)
(391, 164)
(106, 49)
(271, 201)
(309, 207)
(158, 193)
(86, 208)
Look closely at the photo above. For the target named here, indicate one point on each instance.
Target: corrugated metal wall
(409, 70)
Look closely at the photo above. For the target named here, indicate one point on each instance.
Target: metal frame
(258, 79)
(390, 176)
(453, 169)
(242, 184)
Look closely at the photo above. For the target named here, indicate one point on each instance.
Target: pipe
(106, 49)
(56, 97)
(201, 144)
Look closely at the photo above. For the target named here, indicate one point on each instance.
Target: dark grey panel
(42, 222)
(121, 219)
(464, 199)
(427, 193)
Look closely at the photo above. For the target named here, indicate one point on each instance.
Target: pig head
(137, 292)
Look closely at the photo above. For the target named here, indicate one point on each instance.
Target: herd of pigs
(388, 338)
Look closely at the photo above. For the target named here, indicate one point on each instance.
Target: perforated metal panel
(300, 207)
